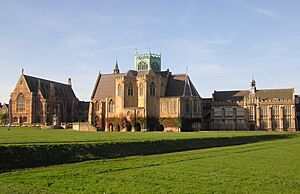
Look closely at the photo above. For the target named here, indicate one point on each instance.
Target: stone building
(268, 109)
(145, 99)
(3, 108)
(36, 101)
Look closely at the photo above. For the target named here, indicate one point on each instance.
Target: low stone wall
(83, 126)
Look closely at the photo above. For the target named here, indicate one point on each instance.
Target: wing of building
(145, 99)
(36, 101)
(267, 109)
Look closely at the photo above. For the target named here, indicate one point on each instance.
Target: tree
(3, 118)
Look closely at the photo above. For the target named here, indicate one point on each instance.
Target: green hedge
(24, 156)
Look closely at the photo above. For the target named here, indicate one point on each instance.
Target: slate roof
(83, 105)
(106, 84)
(266, 94)
(62, 91)
(176, 85)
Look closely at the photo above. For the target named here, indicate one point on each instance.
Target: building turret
(116, 69)
(253, 86)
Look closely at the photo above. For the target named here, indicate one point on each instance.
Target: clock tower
(148, 61)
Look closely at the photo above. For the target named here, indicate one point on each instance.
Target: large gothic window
(152, 89)
(111, 106)
(21, 103)
(187, 106)
(130, 90)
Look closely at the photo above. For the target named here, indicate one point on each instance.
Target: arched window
(111, 105)
(152, 89)
(141, 90)
(96, 106)
(187, 106)
(24, 119)
(21, 103)
(119, 90)
(130, 90)
(142, 66)
(195, 104)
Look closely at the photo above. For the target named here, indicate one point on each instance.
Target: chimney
(70, 82)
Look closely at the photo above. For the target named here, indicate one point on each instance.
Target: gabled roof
(62, 91)
(266, 94)
(105, 86)
(180, 85)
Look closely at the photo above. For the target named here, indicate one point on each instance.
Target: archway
(161, 128)
(110, 127)
(128, 127)
(252, 127)
(24, 120)
(138, 127)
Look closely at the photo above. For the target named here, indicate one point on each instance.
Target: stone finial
(70, 82)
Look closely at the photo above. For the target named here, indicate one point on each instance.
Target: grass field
(264, 167)
(28, 135)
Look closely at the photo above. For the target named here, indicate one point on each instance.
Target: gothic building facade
(36, 101)
(145, 99)
(268, 109)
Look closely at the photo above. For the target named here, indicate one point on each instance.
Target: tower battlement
(149, 61)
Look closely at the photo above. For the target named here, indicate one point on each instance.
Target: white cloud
(185, 16)
(79, 42)
(219, 41)
(268, 13)
(207, 70)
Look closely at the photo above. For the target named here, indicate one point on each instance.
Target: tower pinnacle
(253, 85)
(116, 69)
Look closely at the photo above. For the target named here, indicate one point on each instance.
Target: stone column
(258, 117)
(270, 118)
(293, 122)
(281, 118)
(45, 113)
(91, 113)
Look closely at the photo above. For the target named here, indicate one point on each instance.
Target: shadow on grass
(25, 156)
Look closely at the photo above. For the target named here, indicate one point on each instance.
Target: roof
(105, 86)
(83, 105)
(178, 86)
(265, 94)
(62, 91)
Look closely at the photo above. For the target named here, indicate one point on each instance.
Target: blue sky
(223, 43)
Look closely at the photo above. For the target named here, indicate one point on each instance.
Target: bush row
(24, 156)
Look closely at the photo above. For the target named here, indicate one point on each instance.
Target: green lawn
(27, 135)
(264, 167)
